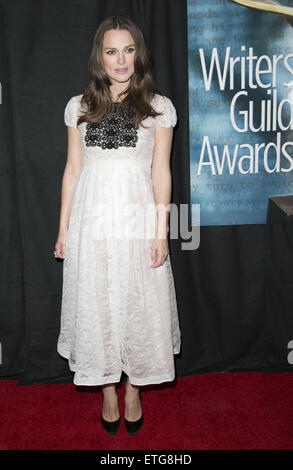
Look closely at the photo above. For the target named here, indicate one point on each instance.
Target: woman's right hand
(61, 245)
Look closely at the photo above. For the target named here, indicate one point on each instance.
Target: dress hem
(100, 381)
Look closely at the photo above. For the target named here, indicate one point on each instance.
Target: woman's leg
(133, 409)
(110, 402)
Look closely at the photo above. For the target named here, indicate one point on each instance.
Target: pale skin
(119, 52)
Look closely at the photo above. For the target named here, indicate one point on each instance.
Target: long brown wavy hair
(96, 100)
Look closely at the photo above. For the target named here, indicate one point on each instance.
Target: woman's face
(118, 55)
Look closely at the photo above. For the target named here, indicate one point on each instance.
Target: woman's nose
(121, 59)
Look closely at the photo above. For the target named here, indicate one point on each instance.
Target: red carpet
(239, 411)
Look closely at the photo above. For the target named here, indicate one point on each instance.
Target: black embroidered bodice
(114, 130)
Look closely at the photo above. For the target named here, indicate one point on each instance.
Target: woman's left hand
(160, 251)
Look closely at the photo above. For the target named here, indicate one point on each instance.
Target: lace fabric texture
(117, 312)
(112, 131)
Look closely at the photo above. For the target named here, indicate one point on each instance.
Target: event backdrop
(240, 65)
(234, 292)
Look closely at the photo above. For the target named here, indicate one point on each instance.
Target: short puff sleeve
(71, 113)
(169, 118)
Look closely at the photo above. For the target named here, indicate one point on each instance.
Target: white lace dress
(117, 312)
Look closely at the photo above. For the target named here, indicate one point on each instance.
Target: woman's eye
(131, 49)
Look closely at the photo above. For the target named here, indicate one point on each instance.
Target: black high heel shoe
(132, 427)
(110, 426)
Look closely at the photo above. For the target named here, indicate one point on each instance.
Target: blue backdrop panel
(240, 66)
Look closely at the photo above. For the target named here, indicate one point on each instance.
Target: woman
(119, 307)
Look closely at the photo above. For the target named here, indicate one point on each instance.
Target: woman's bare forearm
(162, 194)
(69, 183)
